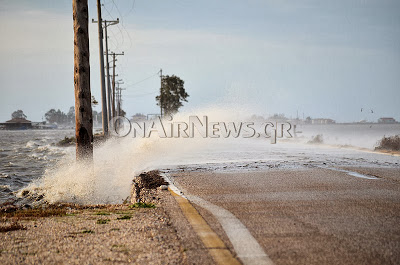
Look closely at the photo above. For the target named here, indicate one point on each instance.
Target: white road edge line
(246, 246)
(351, 173)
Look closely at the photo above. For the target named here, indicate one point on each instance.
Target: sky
(308, 58)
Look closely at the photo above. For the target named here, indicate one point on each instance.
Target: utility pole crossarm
(110, 22)
(115, 54)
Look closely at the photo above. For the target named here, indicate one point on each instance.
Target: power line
(141, 95)
(132, 8)
(112, 32)
(123, 25)
(147, 78)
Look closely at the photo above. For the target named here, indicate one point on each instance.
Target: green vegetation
(35, 212)
(67, 141)
(102, 213)
(390, 143)
(87, 231)
(124, 212)
(19, 114)
(102, 221)
(59, 117)
(71, 214)
(120, 248)
(142, 205)
(172, 94)
(124, 217)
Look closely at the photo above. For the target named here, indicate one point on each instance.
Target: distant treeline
(59, 117)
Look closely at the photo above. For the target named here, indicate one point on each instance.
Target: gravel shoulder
(106, 234)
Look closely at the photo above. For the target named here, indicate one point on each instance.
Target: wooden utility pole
(119, 98)
(83, 104)
(108, 73)
(113, 87)
(113, 82)
(106, 24)
(161, 107)
(102, 77)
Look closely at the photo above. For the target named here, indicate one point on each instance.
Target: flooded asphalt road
(306, 215)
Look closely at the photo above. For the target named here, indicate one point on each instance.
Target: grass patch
(87, 231)
(70, 214)
(124, 212)
(120, 248)
(36, 212)
(124, 217)
(102, 221)
(102, 213)
(391, 143)
(142, 205)
(67, 141)
(12, 227)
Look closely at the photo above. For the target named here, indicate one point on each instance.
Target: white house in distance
(387, 120)
(322, 121)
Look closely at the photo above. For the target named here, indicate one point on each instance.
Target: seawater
(29, 160)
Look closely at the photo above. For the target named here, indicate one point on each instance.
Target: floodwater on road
(30, 158)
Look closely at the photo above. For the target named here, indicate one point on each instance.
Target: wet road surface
(308, 215)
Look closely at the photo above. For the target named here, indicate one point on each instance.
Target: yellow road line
(210, 239)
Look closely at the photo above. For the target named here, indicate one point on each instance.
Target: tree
(96, 116)
(279, 116)
(71, 115)
(53, 116)
(19, 114)
(172, 94)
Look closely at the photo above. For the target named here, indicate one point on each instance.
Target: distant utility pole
(103, 86)
(106, 24)
(119, 97)
(161, 107)
(114, 55)
(83, 104)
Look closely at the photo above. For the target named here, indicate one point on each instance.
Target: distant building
(17, 124)
(139, 117)
(322, 121)
(387, 120)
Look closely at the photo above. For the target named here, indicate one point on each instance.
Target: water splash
(118, 160)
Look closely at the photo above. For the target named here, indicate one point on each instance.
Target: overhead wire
(138, 82)
(122, 24)
(140, 95)
(117, 44)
